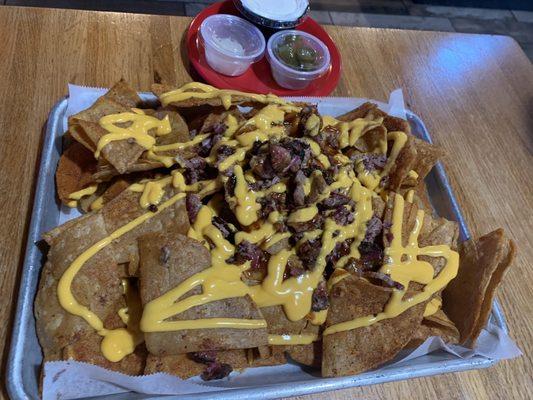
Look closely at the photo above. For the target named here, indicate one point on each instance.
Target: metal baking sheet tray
(25, 356)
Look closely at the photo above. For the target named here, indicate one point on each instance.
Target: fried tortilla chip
(74, 170)
(106, 171)
(370, 141)
(166, 260)
(309, 355)
(179, 365)
(179, 130)
(427, 155)
(159, 89)
(116, 188)
(97, 285)
(186, 366)
(279, 324)
(403, 164)
(87, 349)
(266, 356)
(467, 299)
(121, 154)
(437, 231)
(437, 324)
(101, 107)
(360, 112)
(126, 207)
(434, 231)
(408, 221)
(420, 197)
(124, 94)
(354, 351)
(371, 111)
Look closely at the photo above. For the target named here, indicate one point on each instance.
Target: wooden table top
(474, 92)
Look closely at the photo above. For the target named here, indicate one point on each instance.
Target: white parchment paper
(72, 379)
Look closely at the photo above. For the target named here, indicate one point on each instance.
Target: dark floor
(402, 14)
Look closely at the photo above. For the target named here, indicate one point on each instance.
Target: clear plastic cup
(231, 43)
(291, 77)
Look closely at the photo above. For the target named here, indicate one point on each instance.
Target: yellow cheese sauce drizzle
(139, 126)
(433, 306)
(76, 196)
(196, 90)
(83, 192)
(304, 338)
(404, 272)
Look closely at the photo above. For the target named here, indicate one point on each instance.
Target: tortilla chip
(421, 197)
(408, 221)
(121, 154)
(265, 356)
(427, 155)
(185, 258)
(123, 94)
(126, 207)
(434, 231)
(97, 284)
(437, 324)
(159, 89)
(396, 124)
(360, 112)
(106, 171)
(99, 109)
(403, 164)
(87, 349)
(358, 350)
(180, 365)
(85, 127)
(437, 231)
(371, 111)
(370, 141)
(76, 132)
(115, 189)
(74, 170)
(279, 324)
(179, 130)
(309, 355)
(467, 299)
(183, 365)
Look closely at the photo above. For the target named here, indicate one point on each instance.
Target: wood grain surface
(474, 92)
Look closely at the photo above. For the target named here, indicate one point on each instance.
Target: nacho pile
(224, 230)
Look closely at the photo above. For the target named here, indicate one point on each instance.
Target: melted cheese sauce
(280, 340)
(196, 90)
(223, 280)
(432, 306)
(404, 272)
(84, 192)
(138, 127)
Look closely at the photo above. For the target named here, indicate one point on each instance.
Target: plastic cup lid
(277, 10)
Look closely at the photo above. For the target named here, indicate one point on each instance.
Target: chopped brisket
(193, 205)
(216, 370)
(320, 300)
